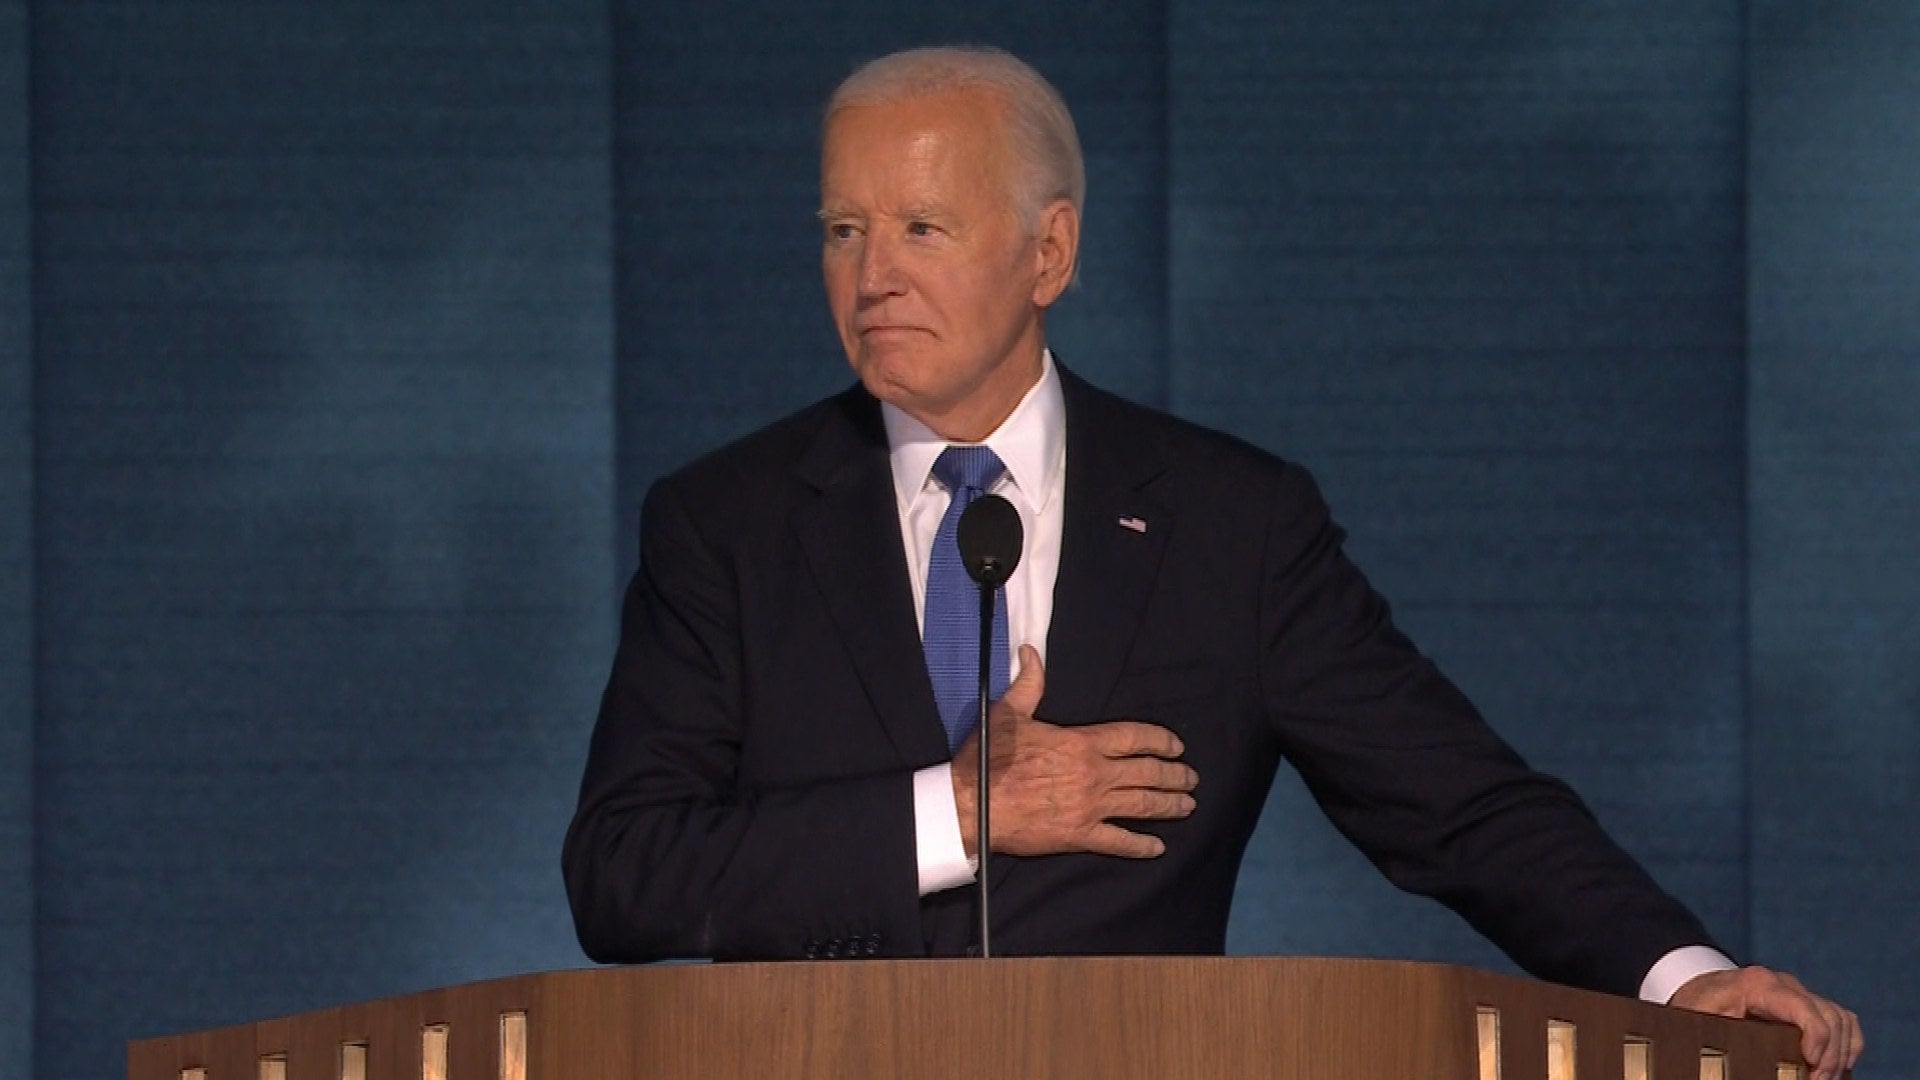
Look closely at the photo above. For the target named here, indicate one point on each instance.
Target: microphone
(990, 538)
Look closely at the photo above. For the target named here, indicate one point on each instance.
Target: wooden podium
(1107, 1017)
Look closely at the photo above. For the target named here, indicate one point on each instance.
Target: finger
(1827, 1032)
(1816, 1037)
(1839, 1042)
(1152, 772)
(1145, 804)
(1024, 693)
(1785, 1000)
(1105, 839)
(1842, 1045)
(1825, 1060)
(1131, 738)
(1826, 1063)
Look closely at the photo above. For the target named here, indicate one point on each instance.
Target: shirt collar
(1031, 442)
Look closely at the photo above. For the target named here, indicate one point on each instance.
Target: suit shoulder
(746, 488)
(1191, 455)
(767, 454)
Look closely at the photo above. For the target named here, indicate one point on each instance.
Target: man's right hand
(1058, 789)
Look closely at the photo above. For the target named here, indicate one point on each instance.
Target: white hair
(1045, 147)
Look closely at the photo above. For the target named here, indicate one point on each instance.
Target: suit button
(812, 951)
(873, 945)
(833, 949)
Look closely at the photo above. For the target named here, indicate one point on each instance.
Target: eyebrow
(914, 213)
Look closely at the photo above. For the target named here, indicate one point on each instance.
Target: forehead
(943, 140)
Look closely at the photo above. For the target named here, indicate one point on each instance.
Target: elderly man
(783, 765)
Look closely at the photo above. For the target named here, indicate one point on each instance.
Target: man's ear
(1058, 242)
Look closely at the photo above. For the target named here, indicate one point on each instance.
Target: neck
(982, 413)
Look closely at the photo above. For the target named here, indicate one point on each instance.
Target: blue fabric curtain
(1834, 505)
(324, 457)
(1481, 270)
(358, 331)
(16, 551)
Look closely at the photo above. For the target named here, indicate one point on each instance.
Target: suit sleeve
(1406, 768)
(671, 853)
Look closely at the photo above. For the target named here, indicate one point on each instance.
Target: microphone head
(990, 538)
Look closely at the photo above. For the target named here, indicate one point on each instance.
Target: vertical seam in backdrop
(1743, 241)
(36, 605)
(1166, 209)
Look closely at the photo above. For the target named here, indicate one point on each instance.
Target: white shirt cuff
(1680, 967)
(936, 832)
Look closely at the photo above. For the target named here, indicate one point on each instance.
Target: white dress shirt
(1032, 444)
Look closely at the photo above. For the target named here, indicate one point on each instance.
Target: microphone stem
(984, 841)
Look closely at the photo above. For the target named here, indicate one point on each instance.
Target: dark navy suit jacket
(748, 790)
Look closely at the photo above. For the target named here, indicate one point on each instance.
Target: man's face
(936, 284)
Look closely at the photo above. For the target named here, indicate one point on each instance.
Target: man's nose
(880, 274)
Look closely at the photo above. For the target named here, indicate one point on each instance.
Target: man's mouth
(891, 334)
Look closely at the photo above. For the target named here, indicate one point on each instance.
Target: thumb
(1023, 695)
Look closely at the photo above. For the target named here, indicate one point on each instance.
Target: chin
(890, 379)
(896, 394)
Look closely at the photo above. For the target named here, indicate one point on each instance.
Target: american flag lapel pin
(1135, 524)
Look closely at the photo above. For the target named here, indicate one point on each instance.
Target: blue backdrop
(339, 342)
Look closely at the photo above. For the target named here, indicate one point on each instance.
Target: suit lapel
(1107, 569)
(1113, 536)
(850, 533)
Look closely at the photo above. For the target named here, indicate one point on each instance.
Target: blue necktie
(952, 632)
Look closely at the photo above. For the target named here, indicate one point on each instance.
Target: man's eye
(921, 228)
(841, 230)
